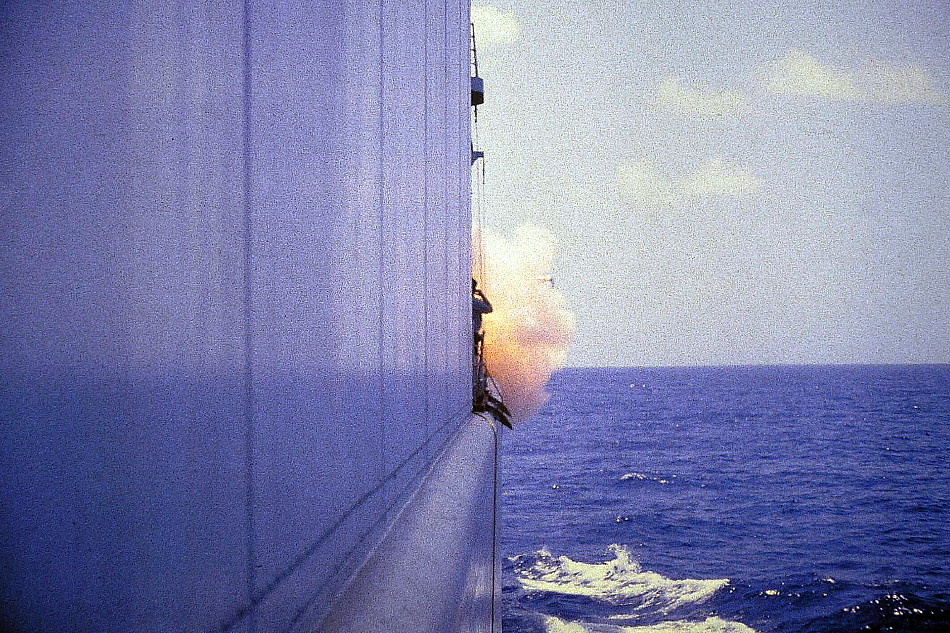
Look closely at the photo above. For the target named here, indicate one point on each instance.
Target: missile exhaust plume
(528, 333)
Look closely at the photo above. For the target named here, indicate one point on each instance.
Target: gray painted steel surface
(236, 313)
(416, 582)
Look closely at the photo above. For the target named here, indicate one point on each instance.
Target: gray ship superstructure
(236, 360)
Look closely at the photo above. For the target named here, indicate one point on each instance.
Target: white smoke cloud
(672, 94)
(494, 27)
(643, 184)
(528, 333)
(801, 74)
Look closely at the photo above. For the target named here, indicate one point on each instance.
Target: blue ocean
(793, 499)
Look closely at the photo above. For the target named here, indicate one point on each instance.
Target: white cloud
(798, 73)
(716, 179)
(888, 83)
(801, 74)
(642, 183)
(494, 27)
(673, 94)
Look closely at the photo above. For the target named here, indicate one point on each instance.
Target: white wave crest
(642, 477)
(617, 581)
(709, 625)
(638, 476)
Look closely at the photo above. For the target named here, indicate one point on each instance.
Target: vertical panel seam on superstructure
(248, 319)
(382, 244)
(425, 218)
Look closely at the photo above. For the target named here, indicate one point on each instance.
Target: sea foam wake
(633, 593)
(617, 581)
(709, 625)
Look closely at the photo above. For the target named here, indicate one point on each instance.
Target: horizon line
(742, 365)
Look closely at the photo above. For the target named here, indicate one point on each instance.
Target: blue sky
(729, 183)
